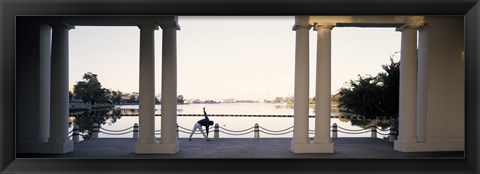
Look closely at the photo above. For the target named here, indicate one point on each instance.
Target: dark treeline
(90, 91)
(373, 96)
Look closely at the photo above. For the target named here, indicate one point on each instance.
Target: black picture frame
(10, 9)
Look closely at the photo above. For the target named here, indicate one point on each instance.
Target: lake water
(227, 122)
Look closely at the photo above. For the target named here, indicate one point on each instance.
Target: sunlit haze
(228, 57)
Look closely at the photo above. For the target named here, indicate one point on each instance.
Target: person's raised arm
(205, 113)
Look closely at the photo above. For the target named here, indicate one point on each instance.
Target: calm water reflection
(125, 116)
(85, 119)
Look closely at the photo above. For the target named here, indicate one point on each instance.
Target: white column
(147, 85)
(323, 85)
(301, 141)
(422, 80)
(168, 140)
(44, 86)
(300, 120)
(408, 89)
(440, 86)
(59, 90)
(33, 87)
(169, 88)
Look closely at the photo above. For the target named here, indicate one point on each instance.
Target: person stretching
(198, 125)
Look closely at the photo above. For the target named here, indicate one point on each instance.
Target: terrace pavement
(235, 148)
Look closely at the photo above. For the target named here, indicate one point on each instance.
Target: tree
(117, 97)
(362, 97)
(391, 82)
(89, 89)
(86, 119)
(180, 99)
(105, 96)
(132, 99)
(373, 96)
(278, 100)
(70, 96)
(289, 99)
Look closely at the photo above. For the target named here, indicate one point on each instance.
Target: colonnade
(431, 99)
(322, 142)
(59, 89)
(421, 117)
(432, 86)
(45, 68)
(408, 86)
(147, 143)
(51, 123)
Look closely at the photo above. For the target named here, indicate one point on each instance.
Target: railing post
(135, 131)
(216, 131)
(76, 134)
(373, 131)
(256, 131)
(393, 135)
(178, 135)
(95, 130)
(334, 130)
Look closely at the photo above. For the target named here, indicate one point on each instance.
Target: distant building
(231, 100)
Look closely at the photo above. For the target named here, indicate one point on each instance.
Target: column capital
(408, 27)
(148, 26)
(170, 26)
(319, 27)
(295, 27)
(425, 26)
(61, 25)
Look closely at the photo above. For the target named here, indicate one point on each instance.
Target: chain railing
(256, 130)
(75, 134)
(230, 115)
(236, 134)
(374, 130)
(273, 132)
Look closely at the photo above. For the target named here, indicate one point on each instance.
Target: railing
(374, 131)
(234, 115)
(272, 132)
(75, 134)
(256, 130)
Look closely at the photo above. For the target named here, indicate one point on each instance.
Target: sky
(221, 57)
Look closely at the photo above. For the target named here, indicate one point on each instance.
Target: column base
(157, 148)
(312, 147)
(428, 146)
(46, 148)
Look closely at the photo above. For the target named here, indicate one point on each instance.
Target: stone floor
(228, 148)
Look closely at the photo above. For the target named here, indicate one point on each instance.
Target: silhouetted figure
(198, 125)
